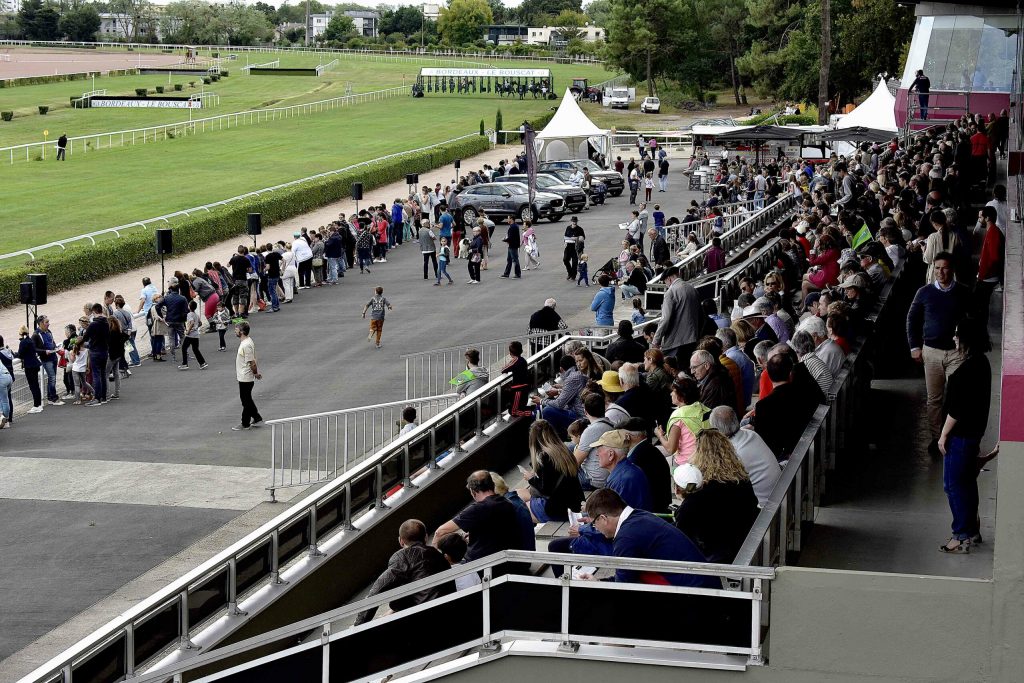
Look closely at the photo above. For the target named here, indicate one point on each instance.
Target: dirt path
(27, 62)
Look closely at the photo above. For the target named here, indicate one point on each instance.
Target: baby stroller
(610, 268)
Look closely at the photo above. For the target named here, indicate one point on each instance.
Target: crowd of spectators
(666, 444)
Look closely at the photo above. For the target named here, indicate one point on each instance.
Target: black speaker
(411, 179)
(38, 281)
(25, 293)
(458, 163)
(163, 241)
(254, 223)
(357, 191)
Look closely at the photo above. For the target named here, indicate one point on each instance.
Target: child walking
(581, 271)
(79, 365)
(192, 325)
(220, 321)
(444, 257)
(648, 186)
(377, 306)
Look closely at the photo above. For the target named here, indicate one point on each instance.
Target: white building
(550, 35)
(365, 23)
(119, 27)
(10, 6)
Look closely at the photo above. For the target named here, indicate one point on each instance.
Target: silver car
(504, 199)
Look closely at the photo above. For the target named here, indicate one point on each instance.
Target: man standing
(931, 322)
(680, 322)
(240, 267)
(273, 261)
(246, 372)
(922, 85)
(334, 251)
(149, 291)
(304, 259)
(96, 338)
(663, 175)
(573, 239)
(62, 144)
(47, 350)
(660, 254)
(175, 311)
(428, 247)
(512, 240)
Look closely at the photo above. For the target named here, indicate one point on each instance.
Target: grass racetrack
(47, 200)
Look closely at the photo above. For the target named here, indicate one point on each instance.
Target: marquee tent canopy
(568, 133)
(877, 112)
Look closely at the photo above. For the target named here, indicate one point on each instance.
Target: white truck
(619, 98)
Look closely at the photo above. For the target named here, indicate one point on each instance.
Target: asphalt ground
(94, 499)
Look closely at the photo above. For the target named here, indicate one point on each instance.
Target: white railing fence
(313, 448)
(94, 142)
(166, 218)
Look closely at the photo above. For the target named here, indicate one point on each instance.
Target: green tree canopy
(406, 20)
(463, 21)
(340, 27)
(80, 23)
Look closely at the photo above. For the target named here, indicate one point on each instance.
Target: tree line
(796, 50)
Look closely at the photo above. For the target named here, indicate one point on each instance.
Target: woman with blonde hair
(554, 487)
(719, 514)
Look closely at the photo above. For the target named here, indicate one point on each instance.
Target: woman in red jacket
(382, 237)
(825, 270)
(990, 266)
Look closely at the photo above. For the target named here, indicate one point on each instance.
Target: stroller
(610, 268)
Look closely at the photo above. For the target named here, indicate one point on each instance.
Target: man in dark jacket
(512, 240)
(651, 462)
(660, 254)
(175, 311)
(334, 252)
(625, 348)
(782, 416)
(416, 560)
(96, 338)
(716, 385)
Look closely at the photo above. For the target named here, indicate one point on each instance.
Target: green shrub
(141, 92)
(80, 265)
(711, 98)
(43, 109)
(6, 115)
(215, 55)
(191, 84)
(160, 89)
(215, 77)
(207, 80)
(178, 86)
(498, 126)
(223, 72)
(482, 131)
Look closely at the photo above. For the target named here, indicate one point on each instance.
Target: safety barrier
(308, 449)
(566, 617)
(150, 134)
(736, 239)
(778, 528)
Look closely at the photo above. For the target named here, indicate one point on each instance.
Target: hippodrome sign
(146, 103)
(487, 73)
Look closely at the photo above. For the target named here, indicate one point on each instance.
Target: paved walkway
(94, 497)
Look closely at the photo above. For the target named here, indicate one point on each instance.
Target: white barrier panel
(146, 104)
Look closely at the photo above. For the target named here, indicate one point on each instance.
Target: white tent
(567, 134)
(878, 111)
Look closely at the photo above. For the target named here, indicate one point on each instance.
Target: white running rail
(166, 218)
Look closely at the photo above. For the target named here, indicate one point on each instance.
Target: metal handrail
(166, 218)
(265, 114)
(335, 496)
(799, 488)
(323, 622)
(309, 449)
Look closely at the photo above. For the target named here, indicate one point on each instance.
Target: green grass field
(46, 200)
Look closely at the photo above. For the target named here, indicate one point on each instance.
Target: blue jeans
(333, 268)
(364, 259)
(960, 482)
(443, 270)
(157, 344)
(133, 355)
(275, 302)
(629, 291)
(923, 101)
(50, 368)
(559, 418)
(5, 386)
(759, 200)
(98, 363)
(513, 257)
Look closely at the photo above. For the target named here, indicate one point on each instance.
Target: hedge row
(60, 78)
(88, 264)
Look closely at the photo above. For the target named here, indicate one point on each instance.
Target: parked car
(503, 199)
(598, 190)
(575, 199)
(619, 98)
(650, 105)
(613, 180)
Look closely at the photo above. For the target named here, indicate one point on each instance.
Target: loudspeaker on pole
(254, 224)
(458, 163)
(412, 179)
(25, 293)
(38, 282)
(164, 243)
(357, 191)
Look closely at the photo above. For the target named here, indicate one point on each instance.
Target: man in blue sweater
(625, 478)
(931, 321)
(640, 534)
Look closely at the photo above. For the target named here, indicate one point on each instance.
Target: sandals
(956, 547)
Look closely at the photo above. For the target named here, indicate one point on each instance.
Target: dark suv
(610, 178)
(598, 190)
(504, 199)
(575, 199)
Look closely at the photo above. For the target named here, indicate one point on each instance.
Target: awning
(764, 133)
(858, 134)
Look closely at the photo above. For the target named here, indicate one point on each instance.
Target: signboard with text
(485, 73)
(145, 103)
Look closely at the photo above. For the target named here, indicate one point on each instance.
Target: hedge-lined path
(71, 543)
